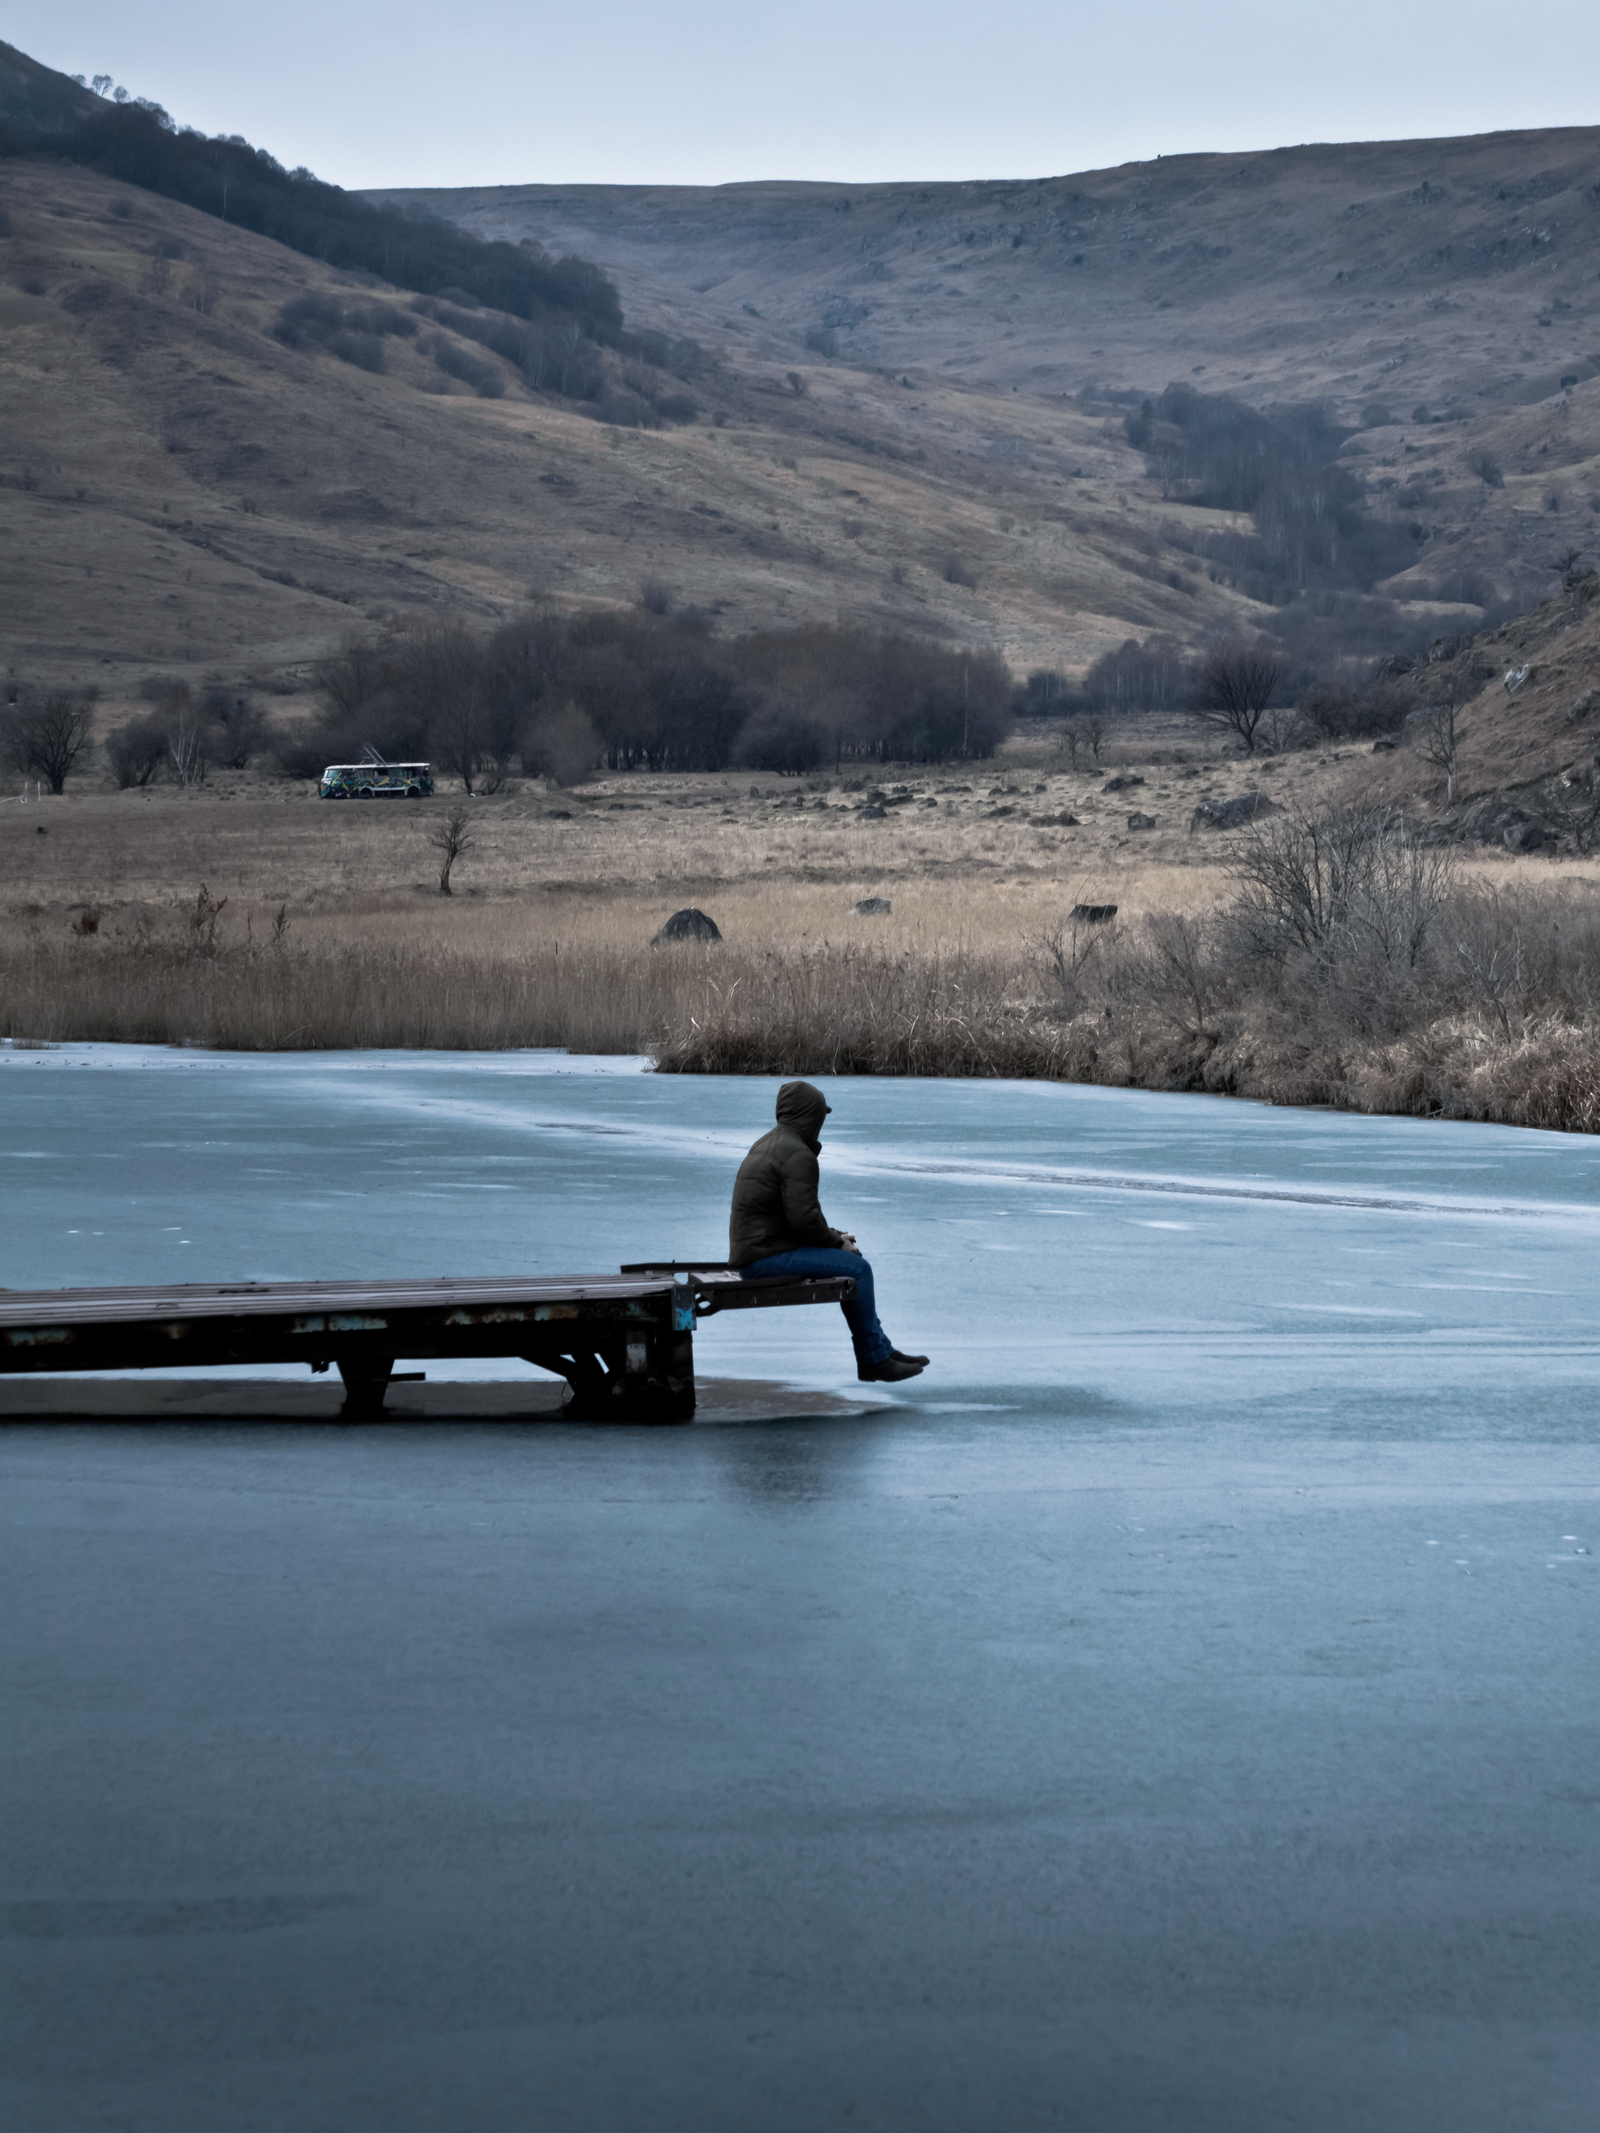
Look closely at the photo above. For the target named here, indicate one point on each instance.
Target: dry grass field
(247, 913)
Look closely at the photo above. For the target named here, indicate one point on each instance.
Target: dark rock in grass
(1124, 783)
(1141, 822)
(690, 925)
(1527, 836)
(874, 814)
(1093, 914)
(559, 814)
(872, 907)
(1384, 747)
(1491, 822)
(1230, 814)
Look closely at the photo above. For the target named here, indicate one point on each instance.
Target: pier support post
(365, 1384)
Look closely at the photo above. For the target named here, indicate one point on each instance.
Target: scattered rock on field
(1141, 822)
(1516, 678)
(1526, 836)
(688, 925)
(1582, 706)
(1230, 814)
(872, 907)
(874, 814)
(1093, 914)
(1122, 783)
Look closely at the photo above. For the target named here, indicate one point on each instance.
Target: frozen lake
(1136, 1256)
(1177, 1710)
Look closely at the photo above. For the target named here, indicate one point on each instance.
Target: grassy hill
(1440, 296)
(178, 487)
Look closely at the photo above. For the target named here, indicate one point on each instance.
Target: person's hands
(849, 1241)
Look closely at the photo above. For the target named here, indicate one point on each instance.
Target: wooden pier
(624, 1342)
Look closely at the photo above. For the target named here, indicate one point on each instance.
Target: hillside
(905, 407)
(177, 486)
(1440, 296)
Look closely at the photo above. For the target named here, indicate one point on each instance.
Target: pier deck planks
(624, 1342)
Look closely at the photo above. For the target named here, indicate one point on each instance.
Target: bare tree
(137, 751)
(1435, 734)
(447, 683)
(1234, 689)
(238, 726)
(450, 838)
(47, 736)
(186, 748)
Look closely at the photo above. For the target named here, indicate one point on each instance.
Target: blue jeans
(872, 1344)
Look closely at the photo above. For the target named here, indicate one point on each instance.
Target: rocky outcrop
(1230, 814)
(687, 925)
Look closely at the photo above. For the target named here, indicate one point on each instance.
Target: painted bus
(376, 781)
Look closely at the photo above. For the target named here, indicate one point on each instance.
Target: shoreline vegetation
(1340, 964)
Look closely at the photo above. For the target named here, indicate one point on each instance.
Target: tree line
(557, 695)
(1312, 530)
(137, 142)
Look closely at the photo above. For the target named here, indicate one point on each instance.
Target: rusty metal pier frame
(624, 1342)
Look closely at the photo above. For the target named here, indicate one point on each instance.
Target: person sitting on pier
(777, 1228)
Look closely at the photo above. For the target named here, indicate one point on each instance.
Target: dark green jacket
(775, 1194)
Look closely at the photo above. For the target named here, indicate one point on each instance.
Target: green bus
(376, 781)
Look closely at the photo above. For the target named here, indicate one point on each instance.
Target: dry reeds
(1421, 994)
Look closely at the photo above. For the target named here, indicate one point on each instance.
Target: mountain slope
(178, 486)
(1442, 296)
(1411, 270)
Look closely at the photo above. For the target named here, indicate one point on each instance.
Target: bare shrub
(1435, 734)
(137, 751)
(1072, 959)
(46, 735)
(458, 362)
(202, 921)
(786, 738)
(238, 726)
(563, 745)
(1180, 970)
(1330, 886)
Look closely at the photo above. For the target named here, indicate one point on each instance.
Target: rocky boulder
(1230, 814)
(688, 925)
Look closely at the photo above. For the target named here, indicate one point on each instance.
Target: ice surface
(1103, 1733)
(1138, 1255)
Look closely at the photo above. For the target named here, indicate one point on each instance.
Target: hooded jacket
(775, 1194)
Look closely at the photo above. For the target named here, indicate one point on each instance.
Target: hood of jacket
(804, 1108)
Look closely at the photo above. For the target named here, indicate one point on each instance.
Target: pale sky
(466, 92)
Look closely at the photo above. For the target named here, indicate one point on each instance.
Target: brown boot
(892, 1369)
